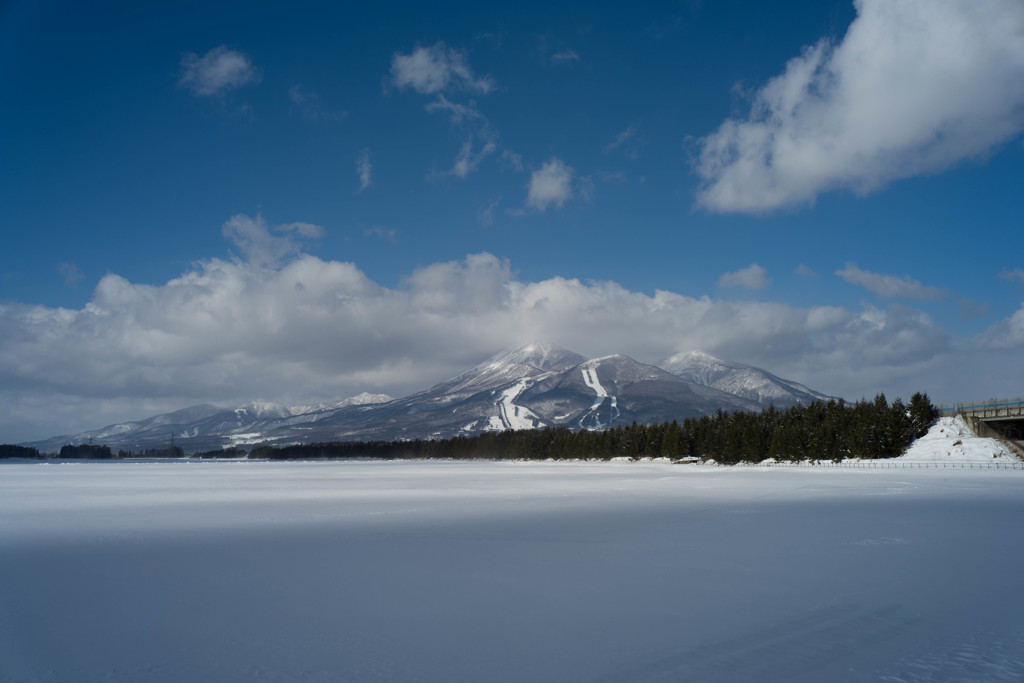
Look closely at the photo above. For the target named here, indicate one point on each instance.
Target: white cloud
(565, 57)
(486, 215)
(302, 229)
(260, 247)
(620, 139)
(584, 187)
(467, 160)
(365, 170)
(387, 234)
(805, 271)
(550, 184)
(431, 71)
(889, 286)
(288, 326)
(612, 176)
(628, 141)
(71, 273)
(435, 69)
(511, 160)
(1007, 334)
(1017, 274)
(914, 87)
(217, 72)
(751, 277)
(458, 114)
(310, 107)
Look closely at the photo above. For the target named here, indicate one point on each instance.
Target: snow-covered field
(447, 571)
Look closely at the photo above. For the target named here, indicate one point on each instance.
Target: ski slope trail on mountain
(591, 419)
(512, 416)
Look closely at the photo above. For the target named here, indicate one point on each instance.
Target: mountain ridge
(532, 386)
(740, 380)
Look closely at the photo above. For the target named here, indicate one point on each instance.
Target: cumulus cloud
(1006, 334)
(913, 87)
(301, 329)
(751, 277)
(217, 72)
(551, 184)
(259, 244)
(889, 286)
(805, 271)
(365, 170)
(435, 69)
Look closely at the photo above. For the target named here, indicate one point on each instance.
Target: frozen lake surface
(449, 571)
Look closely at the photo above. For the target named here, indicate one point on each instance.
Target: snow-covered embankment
(952, 440)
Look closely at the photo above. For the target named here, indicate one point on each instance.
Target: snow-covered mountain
(740, 380)
(202, 427)
(508, 366)
(616, 389)
(533, 386)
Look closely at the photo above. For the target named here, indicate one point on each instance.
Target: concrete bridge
(1000, 417)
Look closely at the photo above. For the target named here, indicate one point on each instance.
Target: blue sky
(219, 202)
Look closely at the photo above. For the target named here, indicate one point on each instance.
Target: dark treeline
(232, 452)
(831, 430)
(95, 452)
(169, 452)
(69, 452)
(11, 451)
(85, 451)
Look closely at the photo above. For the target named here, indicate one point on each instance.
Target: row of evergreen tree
(101, 452)
(169, 452)
(24, 452)
(831, 430)
(85, 451)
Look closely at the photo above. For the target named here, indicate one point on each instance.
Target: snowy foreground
(442, 571)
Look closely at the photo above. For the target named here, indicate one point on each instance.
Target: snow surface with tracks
(507, 571)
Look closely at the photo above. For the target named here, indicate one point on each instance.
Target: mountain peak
(695, 359)
(698, 355)
(364, 399)
(509, 366)
(738, 379)
(540, 354)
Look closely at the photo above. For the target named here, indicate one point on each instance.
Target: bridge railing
(996, 407)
